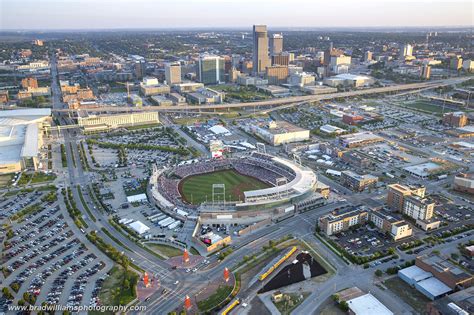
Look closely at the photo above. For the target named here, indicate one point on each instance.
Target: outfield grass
(197, 189)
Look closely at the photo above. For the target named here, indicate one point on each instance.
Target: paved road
(286, 101)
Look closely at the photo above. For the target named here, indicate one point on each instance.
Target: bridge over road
(290, 101)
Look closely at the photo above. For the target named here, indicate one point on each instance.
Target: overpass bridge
(288, 101)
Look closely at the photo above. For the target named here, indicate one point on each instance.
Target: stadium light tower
(218, 190)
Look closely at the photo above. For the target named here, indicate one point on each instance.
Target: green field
(197, 189)
(167, 250)
(6, 180)
(408, 294)
(118, 288)
(426, 106)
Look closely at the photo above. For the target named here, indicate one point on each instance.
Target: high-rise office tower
(368, 56)
(140, 69)
(426, 72)
(173, 73)
(260, 49)
(276, 44)
(210, 69)
(406, 50)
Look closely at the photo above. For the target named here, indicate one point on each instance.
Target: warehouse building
(367, 305)
(424, 282)
(445, 271)
(464, 182)
(280, 132)
(359, 139)
(459, 303)
(349, 80)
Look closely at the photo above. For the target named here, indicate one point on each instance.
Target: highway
(288, 101)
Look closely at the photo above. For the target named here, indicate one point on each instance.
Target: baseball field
(198, 188)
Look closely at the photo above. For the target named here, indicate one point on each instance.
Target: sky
(127, 14)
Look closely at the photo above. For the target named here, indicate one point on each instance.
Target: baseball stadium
(250, 182)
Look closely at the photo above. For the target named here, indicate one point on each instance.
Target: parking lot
(364, 241)
(44, 259)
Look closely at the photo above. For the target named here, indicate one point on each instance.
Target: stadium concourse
(285, 185)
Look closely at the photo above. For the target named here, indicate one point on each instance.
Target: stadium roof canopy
(19, 133)
(303, 181)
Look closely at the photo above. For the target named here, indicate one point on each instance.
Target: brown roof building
(445, 271)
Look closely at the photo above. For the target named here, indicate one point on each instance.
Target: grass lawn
(42, 177)
(220, 295)
(408, 294)
(5, 180)
(286, 307)
(426, 106)
(198, 189)
(24, 179)
(119, 287)
(166, 250)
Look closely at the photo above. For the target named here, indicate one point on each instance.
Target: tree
(454, 256)
(378, 273)
(344, 306)
(15, 286)
(126, 284)
(335, 297)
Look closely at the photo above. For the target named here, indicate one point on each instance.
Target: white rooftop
(19, 133)
(330, 128)
(368, 305)
(467, 128)
(415, 273)
(139, 227)
(218, 129)
(348, 76)
(464, 144)
(433, 286)
(423, 169)
(136, 198)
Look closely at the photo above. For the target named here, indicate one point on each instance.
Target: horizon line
(4, 30)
